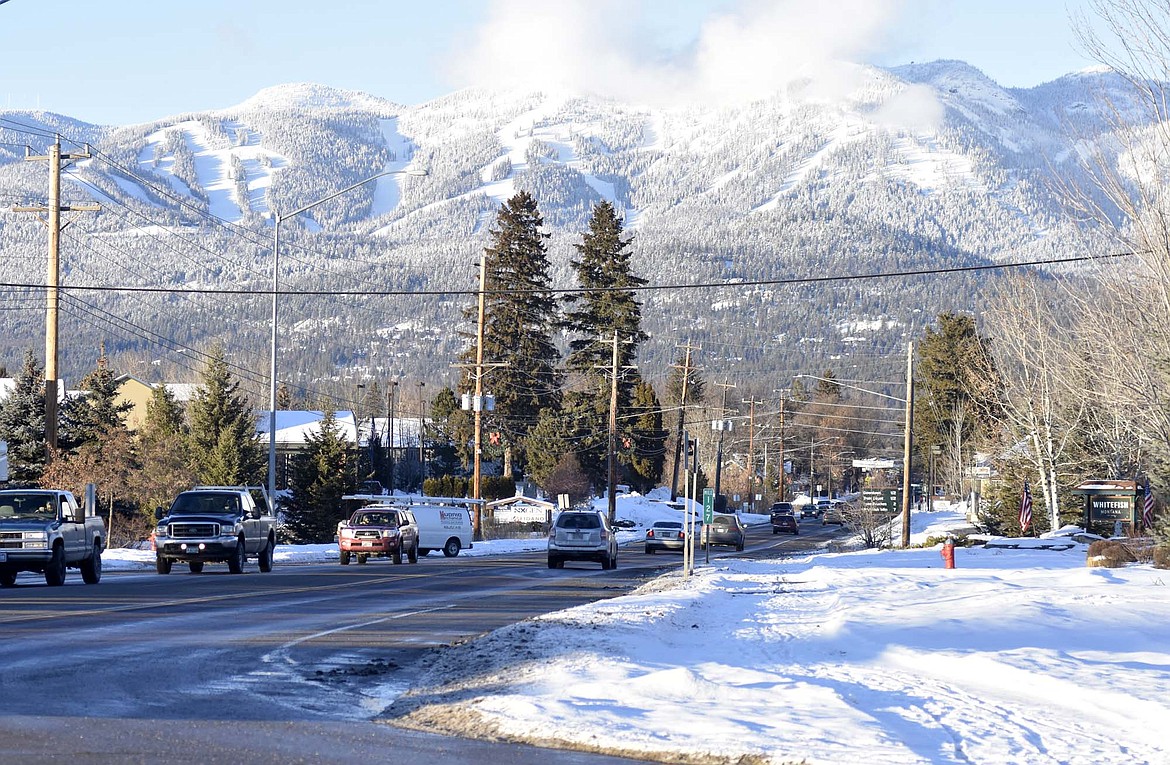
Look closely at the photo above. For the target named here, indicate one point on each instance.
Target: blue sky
(133, 61)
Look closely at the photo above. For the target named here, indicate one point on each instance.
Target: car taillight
(682, 535)
(650, 534)
(604, 534)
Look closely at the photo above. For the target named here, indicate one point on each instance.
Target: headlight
(35, 545)
(161, 531)
(347, 533)
(389, 532)
(35, 535)
(227, 531)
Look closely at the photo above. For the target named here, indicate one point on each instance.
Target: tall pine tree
(22, 423)
(320, 476)
(521, 318)
(88, 418)
(223, 441)
(606, 307)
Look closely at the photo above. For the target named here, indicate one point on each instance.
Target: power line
(580, 290)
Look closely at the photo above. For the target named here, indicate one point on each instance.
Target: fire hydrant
(948, 552)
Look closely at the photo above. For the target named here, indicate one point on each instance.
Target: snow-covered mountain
(918, 167)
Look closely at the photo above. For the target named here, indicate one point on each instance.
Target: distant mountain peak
(311, 96)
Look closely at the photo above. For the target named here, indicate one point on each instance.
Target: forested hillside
(919, 168)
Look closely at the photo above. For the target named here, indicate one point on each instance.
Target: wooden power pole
(682, 408)
(53, 281)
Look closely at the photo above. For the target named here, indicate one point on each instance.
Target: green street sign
(708, 505)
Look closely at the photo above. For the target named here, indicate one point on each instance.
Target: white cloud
(607, 47)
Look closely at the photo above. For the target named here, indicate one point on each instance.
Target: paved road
(280, 667)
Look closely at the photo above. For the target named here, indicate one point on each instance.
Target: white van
(442, 527)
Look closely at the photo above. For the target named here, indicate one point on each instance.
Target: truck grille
(367, 534)
(11, 540)
(194, 530)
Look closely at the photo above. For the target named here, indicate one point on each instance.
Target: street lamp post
(277, 218)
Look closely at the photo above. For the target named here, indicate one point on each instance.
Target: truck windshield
(27, 505)
(199, 503)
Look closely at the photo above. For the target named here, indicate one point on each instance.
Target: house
(293, 427)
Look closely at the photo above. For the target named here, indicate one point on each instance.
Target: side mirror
(78, 514)
(256, 513)
(159, 513)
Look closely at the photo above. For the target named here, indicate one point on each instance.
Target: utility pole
(390, 431)
(422, 429)
(908, 443)
(53, 282)
(682, 407)
(751, 458)
(722, 428)
(611, 466)
(783, 490)
(477, 531)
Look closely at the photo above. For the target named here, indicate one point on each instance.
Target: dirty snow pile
(1016, 656)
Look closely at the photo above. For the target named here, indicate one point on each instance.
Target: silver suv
(582, 535)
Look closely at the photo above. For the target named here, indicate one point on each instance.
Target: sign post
(708, 516)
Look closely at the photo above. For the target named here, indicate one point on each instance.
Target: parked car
(665, 535)
(726, 530)
(785, 522)
(582, 535)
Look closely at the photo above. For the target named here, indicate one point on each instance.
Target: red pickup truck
(380, 532)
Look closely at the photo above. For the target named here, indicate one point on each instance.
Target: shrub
(1109, 553)
(1162, 556)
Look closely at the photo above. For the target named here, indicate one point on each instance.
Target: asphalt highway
(279, 667)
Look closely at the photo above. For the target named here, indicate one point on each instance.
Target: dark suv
(784, 519)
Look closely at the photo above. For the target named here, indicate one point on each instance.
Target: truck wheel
(396, 556)
(451, 549)
(162, 565)
(552, 562)
(91, 567)
(55, 571)
(265, 559)
(7, 578)
(345, 557)
(362, 558)
(196, 566)
(238, 559)
(412, 553)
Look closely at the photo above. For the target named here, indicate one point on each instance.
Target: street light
(277, 218)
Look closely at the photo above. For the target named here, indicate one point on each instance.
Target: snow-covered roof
(294, 426)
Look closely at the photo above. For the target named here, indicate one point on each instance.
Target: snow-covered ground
(1015, 656)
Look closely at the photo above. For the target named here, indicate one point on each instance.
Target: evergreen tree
(444, 454)
(22, 423)
(223, 442)
(953, 404)
(606, 308)
(647, 449)
(85, 419)
(319, 477)
(520, 319)
(284, 398)
(165, 468)
(696, 391)
(546, 444)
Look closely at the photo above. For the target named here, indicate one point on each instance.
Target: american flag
(1025, 509)
(1148, 508)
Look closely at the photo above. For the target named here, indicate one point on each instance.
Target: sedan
(665, 535)
(727, 530)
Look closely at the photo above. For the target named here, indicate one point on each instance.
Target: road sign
(708, 505)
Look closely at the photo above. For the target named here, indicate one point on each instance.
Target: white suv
(582, 535)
